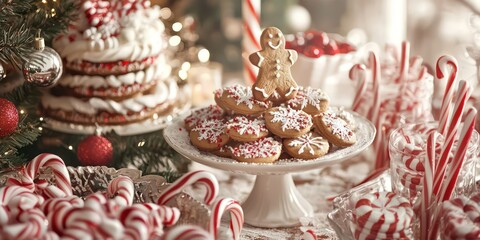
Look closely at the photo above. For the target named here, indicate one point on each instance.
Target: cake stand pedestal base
(275, 202)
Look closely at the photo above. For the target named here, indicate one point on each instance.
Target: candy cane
(32, 225)
(204, 177)
(357, 73)
(136, 222)
(55, 204)
(464, 91)
(376, 78)
(309, 235)
(123, 188)
(427, 191)
(187, 232)
(459, 156)
(445, 110)
(65, 218)
(236, 217)
(251, 36)
(62, 178)
(168, 215)
(404, 62)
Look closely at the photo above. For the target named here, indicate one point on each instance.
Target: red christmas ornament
(8, 117)
(95, 151)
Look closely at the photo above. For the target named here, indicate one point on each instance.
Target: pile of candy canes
(31, 208)
(403, 75)
(436, 175)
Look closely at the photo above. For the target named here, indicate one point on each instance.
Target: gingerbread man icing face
(274, 62)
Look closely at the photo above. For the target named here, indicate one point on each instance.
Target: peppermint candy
(383, 212)
(461, 218)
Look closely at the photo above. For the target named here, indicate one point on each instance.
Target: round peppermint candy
(366, 234)
(461, 218)
(384, 212)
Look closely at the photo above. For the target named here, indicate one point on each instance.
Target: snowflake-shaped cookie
(291, 119)
(310, 96)
(308, 141)
(243, 125)
(337, 125)
(243, 95)
(210, 130)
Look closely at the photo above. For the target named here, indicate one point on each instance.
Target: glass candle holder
(406, 161)
(203, 79)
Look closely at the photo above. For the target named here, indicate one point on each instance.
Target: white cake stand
(274, 200)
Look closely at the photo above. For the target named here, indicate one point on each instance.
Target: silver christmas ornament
(44, 66)
(3, 74)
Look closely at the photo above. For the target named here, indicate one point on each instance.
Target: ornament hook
(39, 41)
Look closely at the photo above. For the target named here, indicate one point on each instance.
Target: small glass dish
(341, 218)
(88, 180)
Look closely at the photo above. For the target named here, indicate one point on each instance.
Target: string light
(141, 143)
(174, 40)
(40, 128)
(41, 119)
(22, 111)
(182, 74)
(203, 55)
(177, 27)
(186, 66)
(70, 147)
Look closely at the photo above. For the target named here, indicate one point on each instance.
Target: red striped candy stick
(404, 63)
(463, 93)
(251, 37)
(136, 222)
(168, 215)
(357, 73)
(442, 63)
(459, 156)
(236, 217)
(187, 232)
(427, 200)
(122, 188)
(203, 177)
(373, 65)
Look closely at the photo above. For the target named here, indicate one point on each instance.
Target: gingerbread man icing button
(274, 62)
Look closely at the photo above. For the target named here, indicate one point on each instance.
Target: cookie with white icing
(239, 99)
(311, 100)
(209, 135)
(265, 150)
(307, 146)
(210, 112)
(287, 122)
(334, 129)
(243, 129)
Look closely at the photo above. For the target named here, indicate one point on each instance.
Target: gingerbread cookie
(243, 129)
(274, 62)
(307, 146)
(287, 123)
(225, 151)
(265, 150)
(347, 117)
(209, 135)
(310, 100)
(239, 99)
(210, 112)
(334, 129)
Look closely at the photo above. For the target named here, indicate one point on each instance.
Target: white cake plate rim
(177, 137)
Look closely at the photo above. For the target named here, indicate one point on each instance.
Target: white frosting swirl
(159, 71)
(164, 91)
(141, 36)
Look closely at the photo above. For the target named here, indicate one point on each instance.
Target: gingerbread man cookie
(274, 62)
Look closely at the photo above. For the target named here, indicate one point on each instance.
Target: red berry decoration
(95, 151)
(313, 51)
(8, 117)
(331, 48)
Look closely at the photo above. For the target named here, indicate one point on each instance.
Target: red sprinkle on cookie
(265, 150)
(288, 123)
(334, 129)
(243, 129)
(240, 99)
(210, 112)
(310, 100)
(209, 134)
(307, 146)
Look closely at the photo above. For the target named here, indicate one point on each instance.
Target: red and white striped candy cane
(62, 178)
(441, 70)
(373, 65)
(309, 235)
(32, 224)
(463, 93)
(122, 188)
(187, 232)
(357, 73)
(251, 37)
(426, 201)
(65, 218)
(54, 204)
(168, 215)
(459, 156)
(404, 63)
(136, 222)
(236, 217)
(203, 177)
